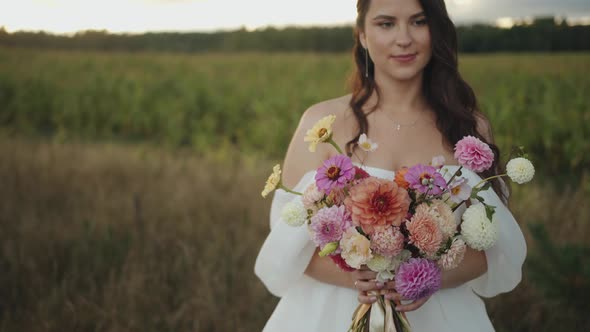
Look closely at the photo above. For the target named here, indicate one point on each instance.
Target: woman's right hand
(365, 282)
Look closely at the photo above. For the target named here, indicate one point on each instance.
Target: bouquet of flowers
(404, 229)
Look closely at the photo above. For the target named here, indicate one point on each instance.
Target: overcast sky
(66, 16)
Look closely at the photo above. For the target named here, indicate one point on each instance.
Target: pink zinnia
(328, 225)
(375, 203)
(388, 242)
(336, 172)
(426, 179)
(424, 231)
(417, 278)
(474, 154)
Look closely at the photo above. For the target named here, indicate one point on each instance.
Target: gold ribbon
(381, 319)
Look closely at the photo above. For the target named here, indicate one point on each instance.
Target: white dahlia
(478, 231)
(520, 170)
(294, 213)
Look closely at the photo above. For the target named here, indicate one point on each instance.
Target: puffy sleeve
(287, 250)
(506, 257)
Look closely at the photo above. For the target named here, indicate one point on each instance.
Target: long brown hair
(452, 99)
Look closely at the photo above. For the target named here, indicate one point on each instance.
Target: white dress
(310, 305)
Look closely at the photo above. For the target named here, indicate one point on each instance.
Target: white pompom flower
(294, 213)
(478, 231)
(520, 170)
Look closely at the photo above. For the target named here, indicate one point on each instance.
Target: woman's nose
(403, 38)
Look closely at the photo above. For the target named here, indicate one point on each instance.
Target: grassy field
(129, 183)
(115, 238)
(253, 101)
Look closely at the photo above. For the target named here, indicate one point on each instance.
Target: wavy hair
(452, 99)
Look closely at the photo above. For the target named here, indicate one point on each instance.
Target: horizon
(67, 17)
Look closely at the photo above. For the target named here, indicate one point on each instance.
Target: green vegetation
(253, 101)
(543, 34)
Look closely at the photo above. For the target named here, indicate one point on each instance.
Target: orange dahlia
(375, 203)
(400, 178)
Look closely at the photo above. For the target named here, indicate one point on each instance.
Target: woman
(408, 96)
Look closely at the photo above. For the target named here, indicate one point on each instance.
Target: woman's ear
(363, 39)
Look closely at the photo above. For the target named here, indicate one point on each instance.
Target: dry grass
(112, 238)
(120, 238)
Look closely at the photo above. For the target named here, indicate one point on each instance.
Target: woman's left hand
(397, 297)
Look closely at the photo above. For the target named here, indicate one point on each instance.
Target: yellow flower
(273, 180)
(320, 132)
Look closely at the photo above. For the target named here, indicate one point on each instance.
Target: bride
(408, 95)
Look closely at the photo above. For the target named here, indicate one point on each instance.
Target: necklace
(399, 126)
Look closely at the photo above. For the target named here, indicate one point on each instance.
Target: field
(129, 183)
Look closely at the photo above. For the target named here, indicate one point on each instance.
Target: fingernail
(373, 298)
(397, 308)
(379, 284)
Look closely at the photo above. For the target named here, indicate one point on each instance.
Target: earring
(366, 62)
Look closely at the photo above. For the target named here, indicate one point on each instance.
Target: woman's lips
(404, 58)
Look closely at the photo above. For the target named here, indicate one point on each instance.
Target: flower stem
(487, 179)
(454, 175)
(331, 141)
(289, 190)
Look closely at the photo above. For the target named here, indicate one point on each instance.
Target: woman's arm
(473, 265)
(325, 270)
(298, 161)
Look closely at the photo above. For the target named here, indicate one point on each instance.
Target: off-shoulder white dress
(309, 305)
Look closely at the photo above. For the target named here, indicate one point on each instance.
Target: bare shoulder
(299, 160)
(336, 106)
(484, 128)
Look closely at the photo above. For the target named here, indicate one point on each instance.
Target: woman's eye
(386, 25)
(421, 21)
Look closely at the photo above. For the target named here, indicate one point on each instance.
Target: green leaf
(486, 186)
(490, 211)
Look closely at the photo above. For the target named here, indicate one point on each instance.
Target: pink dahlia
(474, 154)
(454, 256)
(417, 278)
(336, 172)
(328, 225)
(376, 203)
(426, 179)
(311, 197)
(337, 196)
(424, 231)
(388, 242)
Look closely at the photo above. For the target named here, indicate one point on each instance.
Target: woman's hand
(369, 288)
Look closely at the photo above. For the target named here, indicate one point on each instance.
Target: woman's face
(398, 39)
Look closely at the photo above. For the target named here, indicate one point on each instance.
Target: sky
(136, 16)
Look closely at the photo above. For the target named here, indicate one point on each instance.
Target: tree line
(544, 34)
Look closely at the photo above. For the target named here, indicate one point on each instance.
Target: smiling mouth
(404, 56)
